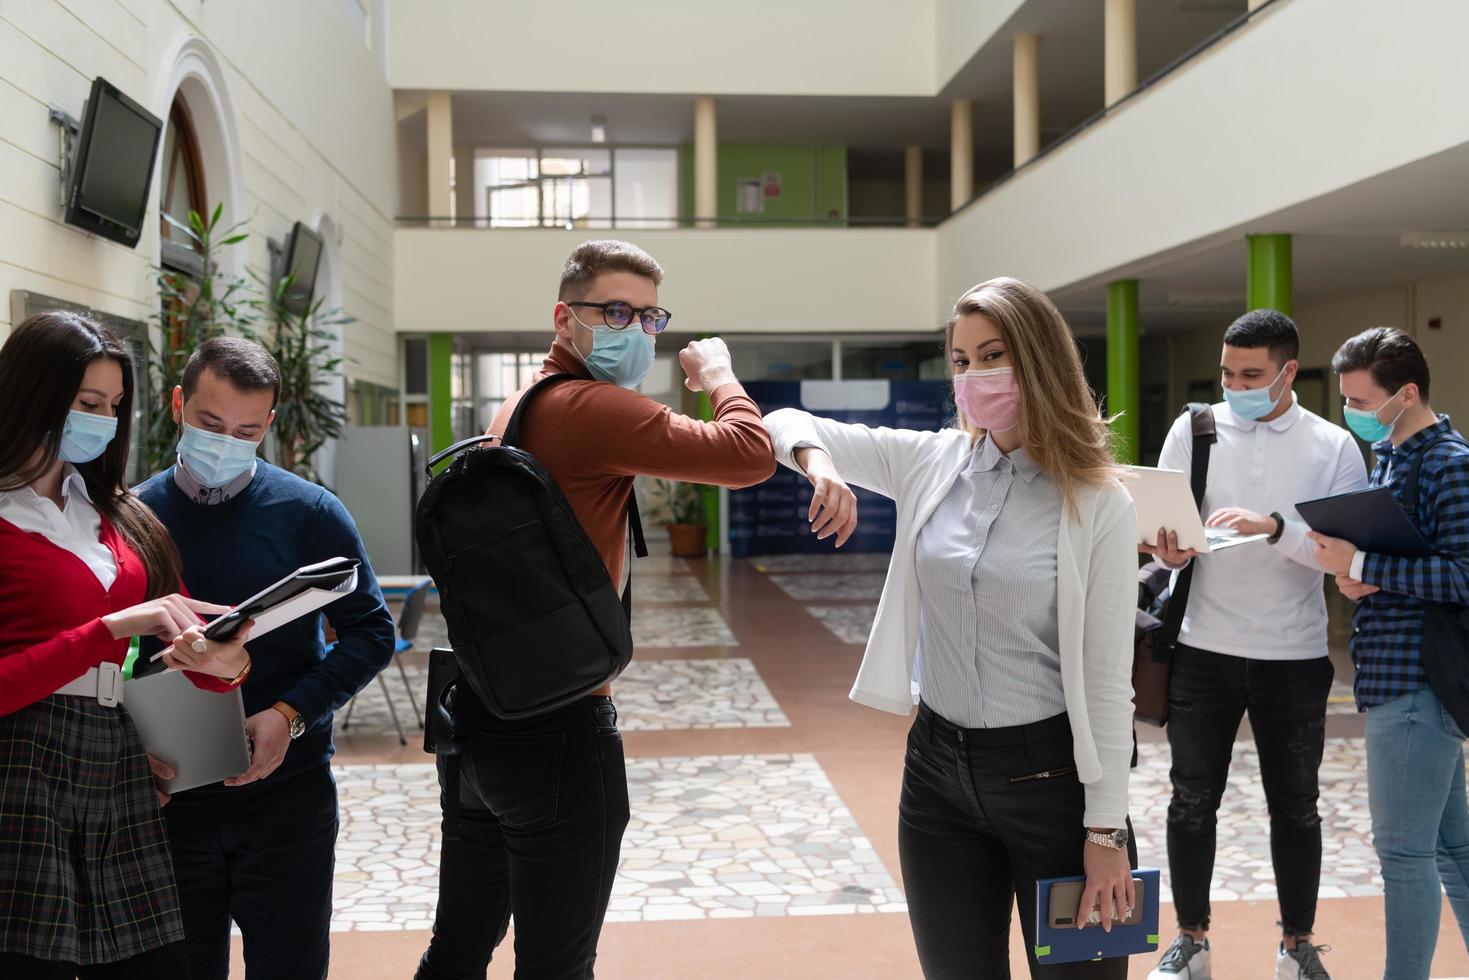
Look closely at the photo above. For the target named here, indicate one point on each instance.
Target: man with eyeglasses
(538, 834)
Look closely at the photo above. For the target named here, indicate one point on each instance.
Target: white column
(1256, 3)
(1120, 46)
(913, 186)
(440, 155)
(1027, 98)
(961, 153)
(706, 162)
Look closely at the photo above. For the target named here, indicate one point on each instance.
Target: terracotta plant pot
(687, 540)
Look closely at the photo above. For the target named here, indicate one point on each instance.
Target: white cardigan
(1096, 566)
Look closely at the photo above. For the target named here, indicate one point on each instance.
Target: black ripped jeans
(543, 804)
(1208, 694)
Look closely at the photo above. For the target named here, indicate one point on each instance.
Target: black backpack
(1159, 609)
(534, 619)
(1445, 646)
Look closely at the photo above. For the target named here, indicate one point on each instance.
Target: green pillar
(1123, 398)
(1268, 273)
(440, 391)
(710, 495)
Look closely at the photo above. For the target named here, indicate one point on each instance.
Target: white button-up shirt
(1262, 601)
(76, 528)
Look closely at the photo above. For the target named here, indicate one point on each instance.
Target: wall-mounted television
(113, 169)
(302, 259)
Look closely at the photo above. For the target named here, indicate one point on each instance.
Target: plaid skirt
(85, 872)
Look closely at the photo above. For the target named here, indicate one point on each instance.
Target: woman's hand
(164, 618)
(833, 504)
(1109, 885)
(224, 660)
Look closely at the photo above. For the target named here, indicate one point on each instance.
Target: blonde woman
(1010, 601)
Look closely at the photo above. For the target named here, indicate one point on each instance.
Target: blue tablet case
(1092, 943)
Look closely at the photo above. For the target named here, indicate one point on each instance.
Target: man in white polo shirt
(1254, 639)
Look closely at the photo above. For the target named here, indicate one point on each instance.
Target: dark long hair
(42, 365)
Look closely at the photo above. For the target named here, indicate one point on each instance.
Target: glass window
(893, 360)
(781, 360)
(576, 187)
(507, 188)
(183, 175)
(415, 366)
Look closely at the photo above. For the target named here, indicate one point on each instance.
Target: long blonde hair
(1061, 425)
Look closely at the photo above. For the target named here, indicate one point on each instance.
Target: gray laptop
(200, 733)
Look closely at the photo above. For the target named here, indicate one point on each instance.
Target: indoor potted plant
(680, 508)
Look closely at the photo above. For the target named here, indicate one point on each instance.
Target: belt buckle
(109, 684)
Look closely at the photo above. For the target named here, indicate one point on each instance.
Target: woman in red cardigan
(86, 882)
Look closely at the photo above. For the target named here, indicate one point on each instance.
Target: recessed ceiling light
(1434, 239)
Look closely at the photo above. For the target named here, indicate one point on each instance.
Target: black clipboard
(1371, 519)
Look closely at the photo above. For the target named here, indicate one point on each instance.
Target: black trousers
(543, 805)
(262, 855)
(984, 813)
(169, 962)
(1208, 694)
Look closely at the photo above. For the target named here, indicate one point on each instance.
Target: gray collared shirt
(989, 650)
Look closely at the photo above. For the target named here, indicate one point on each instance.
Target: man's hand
(833, 504)
(1167, 551)
(162, 772)
(707, 364)
(1353, 589)
(270, 735)
(1241, 520)
(1333, 554)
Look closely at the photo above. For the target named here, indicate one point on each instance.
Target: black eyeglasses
(653, 319)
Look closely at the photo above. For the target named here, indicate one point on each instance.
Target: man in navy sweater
(259, 848)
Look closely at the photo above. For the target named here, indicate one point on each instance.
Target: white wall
(310, 120)
(1312, 96)
(756, 47)
(961, 28)
(720, 281)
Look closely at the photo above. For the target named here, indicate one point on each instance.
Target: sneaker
(1186, 959)
(1301, 963)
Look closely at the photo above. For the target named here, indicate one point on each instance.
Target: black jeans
(169, 962)
(1208, 694)
(262, 855)
(543, 804)
(984, 813)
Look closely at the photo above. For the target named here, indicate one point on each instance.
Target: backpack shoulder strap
(512, 428)
(1410, 483)
(1201, 421)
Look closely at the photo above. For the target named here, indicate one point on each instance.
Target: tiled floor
(763, 838)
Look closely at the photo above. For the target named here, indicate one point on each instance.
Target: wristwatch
(297, 723)
(1279, 528)
(1115, 839)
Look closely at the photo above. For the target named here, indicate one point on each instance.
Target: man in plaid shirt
(1415, 750)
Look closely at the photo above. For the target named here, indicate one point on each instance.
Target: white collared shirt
(1262, 601)
(77, 528)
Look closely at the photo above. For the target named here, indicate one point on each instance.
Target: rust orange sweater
(593, 438)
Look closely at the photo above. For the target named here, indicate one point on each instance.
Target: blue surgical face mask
(1254, 403)
(213, 458)
(1368, 427)
(622, 357)
(86, 436)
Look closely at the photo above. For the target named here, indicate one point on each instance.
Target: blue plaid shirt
(1389, 624)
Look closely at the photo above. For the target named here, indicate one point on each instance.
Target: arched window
(183, 186)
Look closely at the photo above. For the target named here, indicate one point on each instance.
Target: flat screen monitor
(113, 170)
(302, 259)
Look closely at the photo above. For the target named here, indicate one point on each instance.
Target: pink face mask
(990, 400)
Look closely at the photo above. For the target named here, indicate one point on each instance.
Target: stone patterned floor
(850, 624)
(653, 695)
(1242, 868)
(667, 588)
(653, 625)
(837, 561)
(710, 837)
(842, 585)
